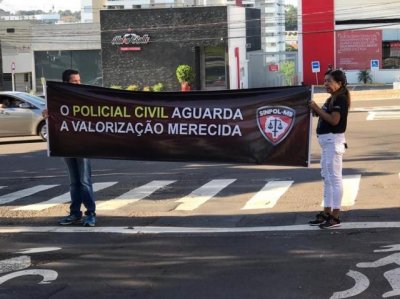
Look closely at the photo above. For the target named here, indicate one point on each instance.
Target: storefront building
(145, 46)
(351, 35)
(33, 53)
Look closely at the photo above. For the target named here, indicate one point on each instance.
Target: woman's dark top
(340, 105)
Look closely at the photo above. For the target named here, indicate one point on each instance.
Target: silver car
(21, 115)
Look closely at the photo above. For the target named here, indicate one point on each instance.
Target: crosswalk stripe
(202, 194)
(60, 199)
(376, 108)
(383, 115)
(23, 193)
(351, 184)
(133, 195)
(268, 196)
(2, 187)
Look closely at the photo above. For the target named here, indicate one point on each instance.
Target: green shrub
(287, 68)
(146, 88)
(185, 73)
(158, 87)
(364, 76)
(133, 87)
(116, 86)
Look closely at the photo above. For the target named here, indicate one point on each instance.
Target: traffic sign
(315, 66)
(374, 64)
(273, 67)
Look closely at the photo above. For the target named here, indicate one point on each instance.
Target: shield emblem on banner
(275, 122)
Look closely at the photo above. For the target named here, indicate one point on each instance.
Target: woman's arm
(331, 118)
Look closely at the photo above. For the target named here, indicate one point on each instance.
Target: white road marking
(48, 275)
(362, 283)
(133, 195)
(393, 277)
(191, 230)
(383, 115)
(376, 108)
(351, 184)
(388, 248)
(38, 249)
(380, 112)
(15, 264)
(23, 193)
(64, 198)
(268, 196)
(202, 194)
(393, 258)
(2, 187)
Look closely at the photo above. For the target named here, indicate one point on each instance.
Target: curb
(364, 95)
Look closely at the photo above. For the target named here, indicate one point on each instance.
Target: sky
(47, 5)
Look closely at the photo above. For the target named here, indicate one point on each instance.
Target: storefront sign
(130, 39)
(262, 126)
(125, 49)
(356, 48)
(273, 67)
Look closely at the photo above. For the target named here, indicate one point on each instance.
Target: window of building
(87, 9)
(7, 77)
(215, 67)
(51, 64)
(10, 30)
(391, 55)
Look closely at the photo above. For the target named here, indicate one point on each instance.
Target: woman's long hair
(340, 76)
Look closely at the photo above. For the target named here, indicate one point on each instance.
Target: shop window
(26, 77)
(51, 64)
(87, 9)
(215, 67)
(7, 77)
(391, 55)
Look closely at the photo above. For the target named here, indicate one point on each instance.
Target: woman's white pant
(332, 150)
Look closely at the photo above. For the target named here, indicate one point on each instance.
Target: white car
(21, 115)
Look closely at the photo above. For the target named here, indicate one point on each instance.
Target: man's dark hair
(67, 74)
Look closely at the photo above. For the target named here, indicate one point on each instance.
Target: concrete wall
(381, 76)
(1, 70)
(238, 69)
(75, 36)
(174, 35)
(19, 46)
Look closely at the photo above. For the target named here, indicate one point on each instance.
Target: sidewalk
(363, 95)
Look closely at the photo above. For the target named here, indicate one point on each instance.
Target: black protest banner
(263, 126)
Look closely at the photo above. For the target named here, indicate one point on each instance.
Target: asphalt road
(250, 265)
(151, 249)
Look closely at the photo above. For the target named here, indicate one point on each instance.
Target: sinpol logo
(275, 122)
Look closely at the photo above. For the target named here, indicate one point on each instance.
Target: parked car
(21, 115)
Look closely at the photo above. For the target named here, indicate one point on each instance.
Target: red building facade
(318, 29)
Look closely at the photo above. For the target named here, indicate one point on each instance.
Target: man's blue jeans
(81, 188)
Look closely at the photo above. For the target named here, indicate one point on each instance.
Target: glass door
(213, 68)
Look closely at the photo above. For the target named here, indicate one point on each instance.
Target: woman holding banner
(331, 129)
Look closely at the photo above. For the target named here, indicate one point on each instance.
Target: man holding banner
(79, 171)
